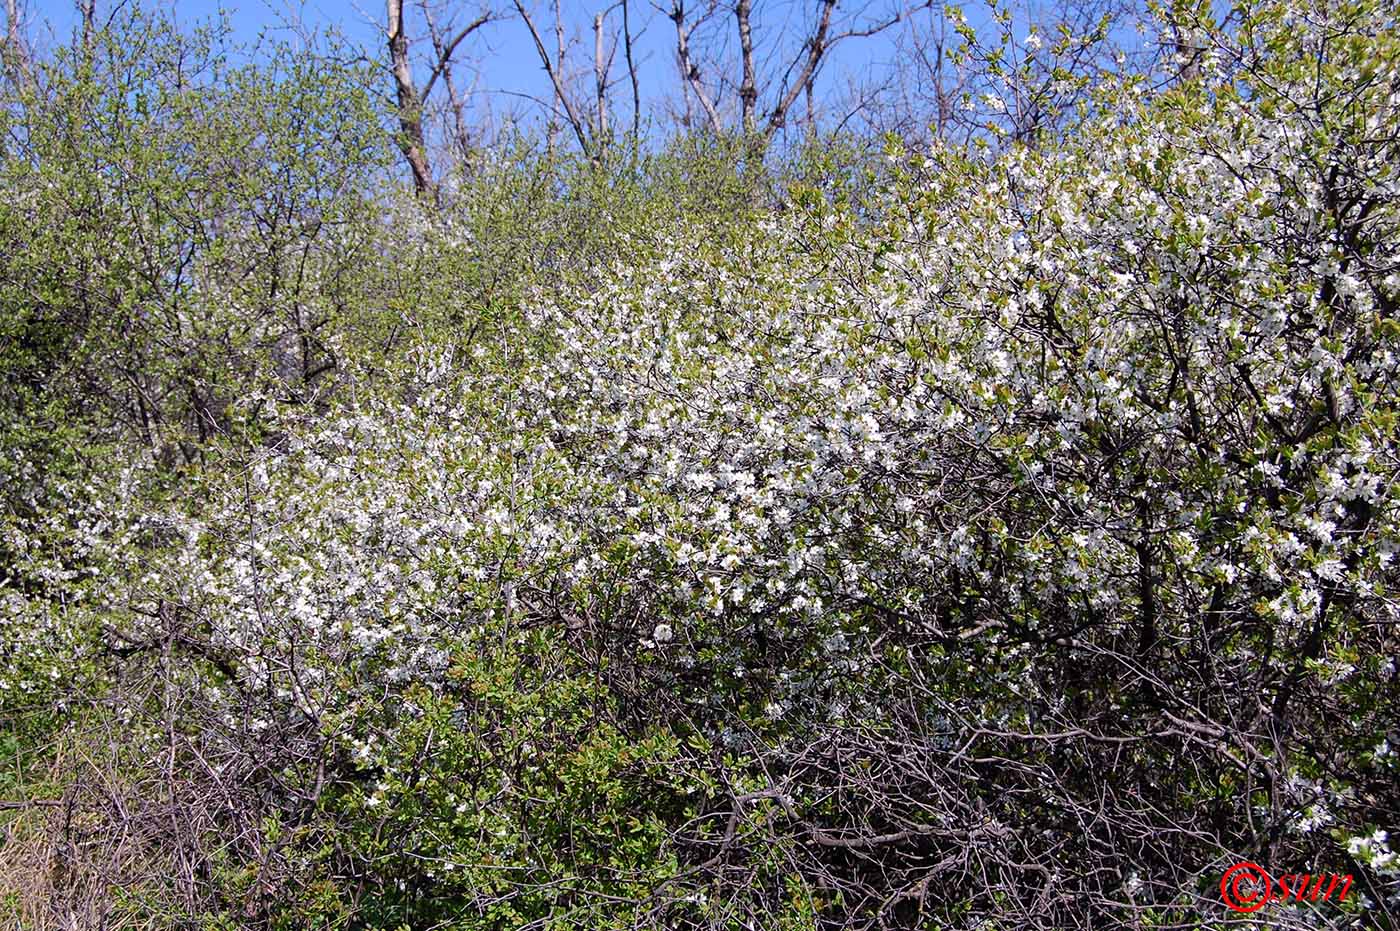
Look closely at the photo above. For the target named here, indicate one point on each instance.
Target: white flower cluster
(1030, 388)
(1374, 850)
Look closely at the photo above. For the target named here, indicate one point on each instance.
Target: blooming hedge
(1010, 544)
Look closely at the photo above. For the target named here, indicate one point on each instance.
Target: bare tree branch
(454, 97)
(18, 65)
(817, 47)
(690, 72)
(409, 103)
(631, 71)
(600, 80)
(445, 50)
(561, 92)
(87, 10)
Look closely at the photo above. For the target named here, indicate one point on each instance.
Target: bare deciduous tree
(587, 111)
(18, 67)
(690, 71)
(631, 69)
(554, 69)
(766, 93)
(411, 100)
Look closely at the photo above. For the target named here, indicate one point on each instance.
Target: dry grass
(113, 843)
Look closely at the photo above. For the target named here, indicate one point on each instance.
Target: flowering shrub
(1013, 546)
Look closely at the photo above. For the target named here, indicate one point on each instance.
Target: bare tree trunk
(12, 15)
(16, 52)
(942, 96)
(87, 9)
(748, 90)
(600, 82)
(631, 73)
(560, 49)
(1189, 52)
(410, 107)
(690, 72)
(816, 48)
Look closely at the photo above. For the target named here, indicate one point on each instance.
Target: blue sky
(501, 58)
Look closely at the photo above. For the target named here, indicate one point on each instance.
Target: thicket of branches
(976, 513)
